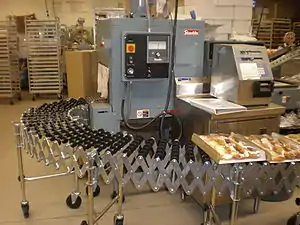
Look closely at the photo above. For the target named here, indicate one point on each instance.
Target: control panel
(253, 63)
(146, 55)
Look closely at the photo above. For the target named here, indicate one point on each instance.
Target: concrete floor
(47, 197)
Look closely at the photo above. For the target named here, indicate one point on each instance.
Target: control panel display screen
(249, 71)
(157, 45)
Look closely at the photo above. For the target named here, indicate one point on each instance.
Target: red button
(131, 62)
(130, 48)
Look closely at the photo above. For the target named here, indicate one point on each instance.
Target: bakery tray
(269, 156)
(217, 157)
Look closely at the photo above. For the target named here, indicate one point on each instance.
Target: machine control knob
(130, 71)
(157, 55)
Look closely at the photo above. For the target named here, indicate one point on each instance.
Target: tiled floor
(47, 197)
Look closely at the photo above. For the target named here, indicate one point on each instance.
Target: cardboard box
(82, 74)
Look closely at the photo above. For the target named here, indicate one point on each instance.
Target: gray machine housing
(149, 94)
(208, 56)
(286, 95)
(241, 74)
(101, 116)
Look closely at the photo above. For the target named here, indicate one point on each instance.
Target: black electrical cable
(170, 86)
(151, 121)
(178, 122)
(140, 127)
(172, 72)
(173, 54)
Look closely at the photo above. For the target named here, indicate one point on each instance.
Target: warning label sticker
(143, 113)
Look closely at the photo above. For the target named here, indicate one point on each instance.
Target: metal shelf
(44, 57)
(272, 31)
(296, 29)
(9, 61)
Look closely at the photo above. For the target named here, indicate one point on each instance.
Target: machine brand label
(191, 32)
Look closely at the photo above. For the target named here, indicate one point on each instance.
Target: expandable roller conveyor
(49, 134)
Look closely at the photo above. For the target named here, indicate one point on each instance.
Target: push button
(130, 48)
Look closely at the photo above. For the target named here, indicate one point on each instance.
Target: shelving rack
(44, 57)
(9, 62)
(263, 32)
(296, 29)
(271, 32)
(280, 28)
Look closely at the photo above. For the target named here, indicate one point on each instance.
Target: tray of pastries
(227, 149)
(294, 138)
(278, 148)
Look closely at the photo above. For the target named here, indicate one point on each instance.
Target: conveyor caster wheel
(118, 220)
(84, 222)
(33, 98)
(114, 194)
(292, 220)
(59, 97)
(297, 201)
(11, 102)
(25, 209)
(20, 98)
(73, 205)
(96, 191)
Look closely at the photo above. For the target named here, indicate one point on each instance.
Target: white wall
(67, 11)
(234, 15)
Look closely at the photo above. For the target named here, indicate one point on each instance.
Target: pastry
(230, 148)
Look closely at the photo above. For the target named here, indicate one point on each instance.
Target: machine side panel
(224, 80)
(190, 49)
(102, 117)
(116, 86)
(287, 97)
(103, 41)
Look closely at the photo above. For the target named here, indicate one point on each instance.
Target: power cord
(160, 115)
(172, 66)
(124, 118)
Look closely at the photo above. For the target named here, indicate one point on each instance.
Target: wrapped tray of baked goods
(294, 138)
(227, 149)
(278, 148)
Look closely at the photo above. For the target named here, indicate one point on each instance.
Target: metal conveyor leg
(24, 202)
